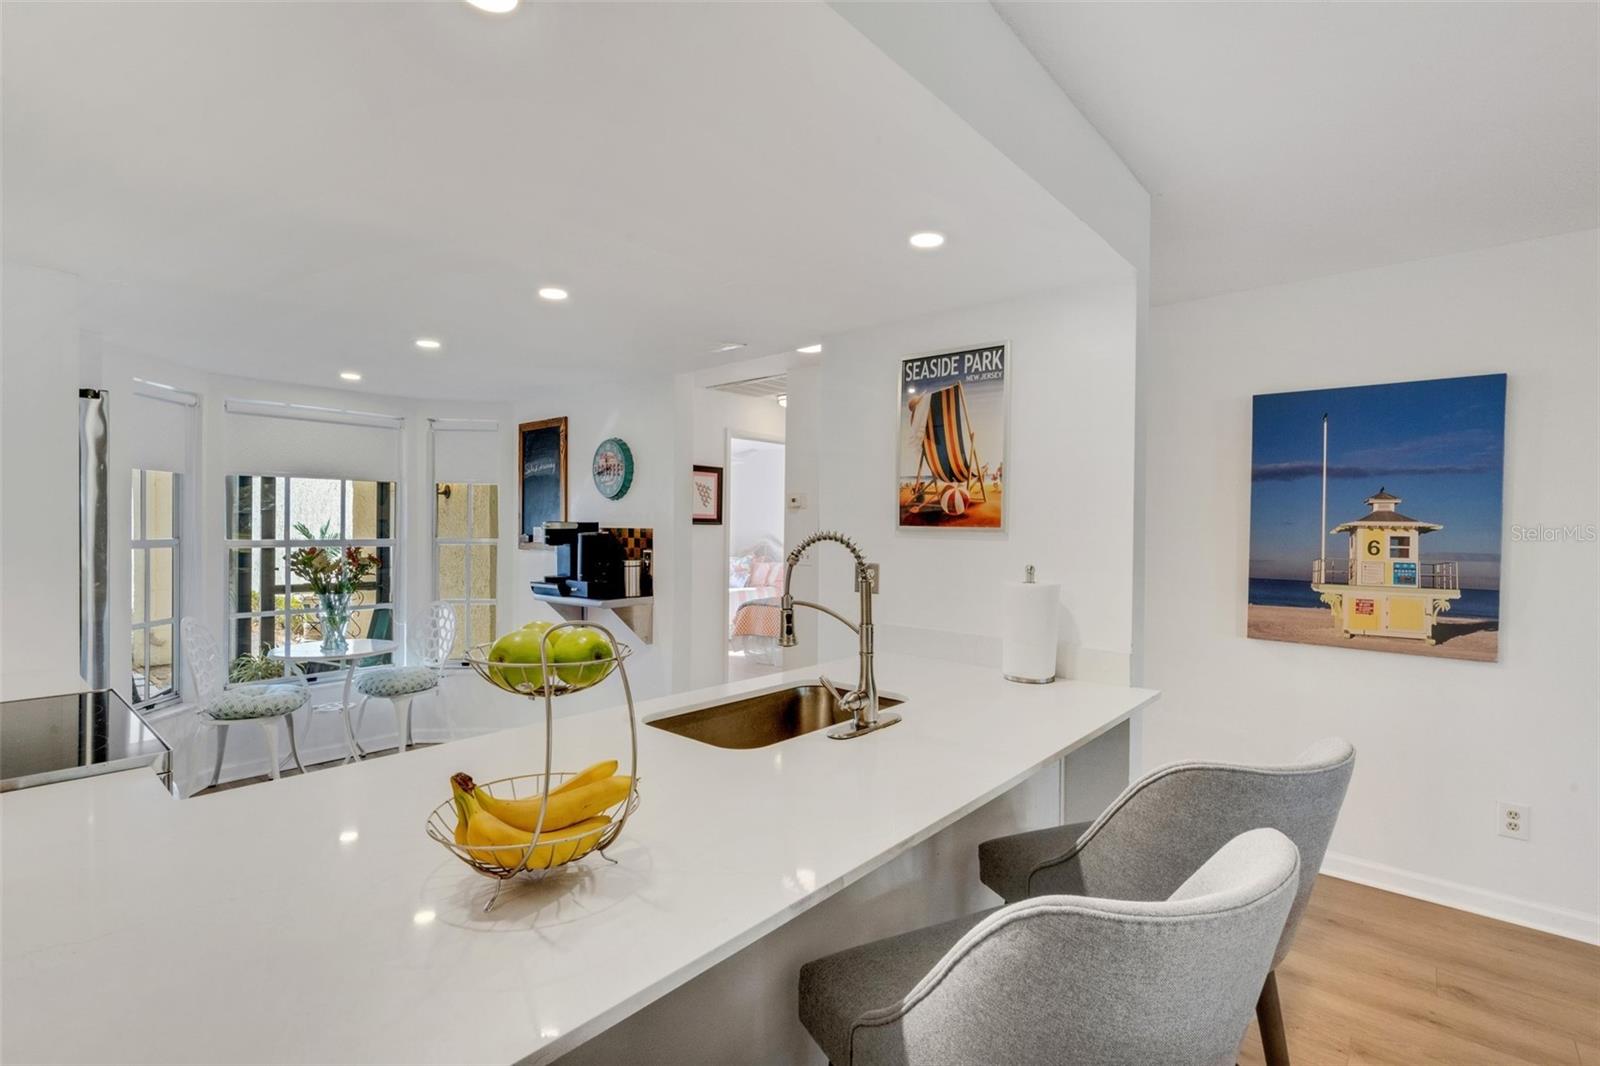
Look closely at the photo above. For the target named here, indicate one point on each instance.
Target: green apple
(583, 655)
(520, 646)
(541, 628)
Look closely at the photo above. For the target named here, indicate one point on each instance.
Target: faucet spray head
(786, 637)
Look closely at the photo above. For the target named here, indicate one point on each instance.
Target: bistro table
(311, 651)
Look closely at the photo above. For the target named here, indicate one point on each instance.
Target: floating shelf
(636, 612)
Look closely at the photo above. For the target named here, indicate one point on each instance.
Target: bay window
(268, 517)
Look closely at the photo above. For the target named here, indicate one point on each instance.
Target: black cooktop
(78, 734)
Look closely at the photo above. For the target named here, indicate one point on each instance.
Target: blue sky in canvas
(1439, 445)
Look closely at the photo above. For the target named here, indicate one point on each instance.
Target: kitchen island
(311, 920)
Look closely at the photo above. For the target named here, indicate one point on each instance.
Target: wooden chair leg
(1269, 1016)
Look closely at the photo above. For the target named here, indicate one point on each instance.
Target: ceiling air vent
(771, 385)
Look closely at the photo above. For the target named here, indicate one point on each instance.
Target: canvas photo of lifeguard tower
(1375, 516)
(951, 471)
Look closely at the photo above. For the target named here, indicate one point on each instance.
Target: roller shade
(156, 431)
(466, 450)
(304, 441)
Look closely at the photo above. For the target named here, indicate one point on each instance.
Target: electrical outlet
(1516, 821)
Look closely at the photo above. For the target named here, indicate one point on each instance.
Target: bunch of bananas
(499, 832)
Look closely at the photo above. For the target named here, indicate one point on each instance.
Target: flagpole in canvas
(1322, 530)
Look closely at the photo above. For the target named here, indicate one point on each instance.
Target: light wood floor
(1378, 978)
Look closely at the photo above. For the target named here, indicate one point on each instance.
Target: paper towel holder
(1029, 578)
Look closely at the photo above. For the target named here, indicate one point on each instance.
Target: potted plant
(333, 575)
(259, 667)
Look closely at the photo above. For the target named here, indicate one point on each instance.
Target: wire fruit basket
(548, 850)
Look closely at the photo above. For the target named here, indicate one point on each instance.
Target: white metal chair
(432, 635)
(223, 705)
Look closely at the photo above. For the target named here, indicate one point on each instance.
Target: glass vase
(334, 614)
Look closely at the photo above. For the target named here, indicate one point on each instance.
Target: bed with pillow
(755, 582)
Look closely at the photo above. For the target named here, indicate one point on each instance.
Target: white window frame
(140, 631)
(466, 601)
(283, 546)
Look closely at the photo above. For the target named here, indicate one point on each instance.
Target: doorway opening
(755, 555)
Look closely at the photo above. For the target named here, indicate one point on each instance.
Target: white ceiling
(1282, 141)
(291, 190)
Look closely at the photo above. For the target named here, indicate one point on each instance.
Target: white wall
(639, 411)
(714, 416)
(968, 56)
(1440, 742)
(39, 378)
(1069, 481)
(755, 495)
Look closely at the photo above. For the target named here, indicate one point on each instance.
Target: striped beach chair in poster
(949, 452)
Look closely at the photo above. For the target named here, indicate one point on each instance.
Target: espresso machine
(562, 538)
(588, 562)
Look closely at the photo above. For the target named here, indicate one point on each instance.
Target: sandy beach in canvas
(1476, 639)
(980, 514)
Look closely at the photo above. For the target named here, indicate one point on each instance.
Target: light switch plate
(797, 501)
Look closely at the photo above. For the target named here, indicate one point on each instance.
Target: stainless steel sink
(756, 721)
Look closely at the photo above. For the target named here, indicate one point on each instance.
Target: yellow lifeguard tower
(1384, 589)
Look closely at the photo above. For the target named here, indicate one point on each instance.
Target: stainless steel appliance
(94, 607)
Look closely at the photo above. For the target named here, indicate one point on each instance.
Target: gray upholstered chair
(1067, 979)
(1166, 824)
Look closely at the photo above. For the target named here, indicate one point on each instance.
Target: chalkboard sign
(542, 460)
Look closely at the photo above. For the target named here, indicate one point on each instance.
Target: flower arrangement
(333, 576)
(329, 573)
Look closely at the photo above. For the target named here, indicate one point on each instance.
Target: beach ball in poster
(954, 501)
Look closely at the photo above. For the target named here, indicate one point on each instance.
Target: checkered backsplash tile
(635, 541)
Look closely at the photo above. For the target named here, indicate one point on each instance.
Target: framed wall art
(707, 487)
(952, 415)
(1375, 517)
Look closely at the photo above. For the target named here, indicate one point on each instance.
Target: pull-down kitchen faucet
(863, 702)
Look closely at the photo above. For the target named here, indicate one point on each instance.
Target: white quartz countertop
(311, 920)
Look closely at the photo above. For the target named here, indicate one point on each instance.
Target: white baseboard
(1575, 925)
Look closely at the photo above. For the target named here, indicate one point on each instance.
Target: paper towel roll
(1031, 628)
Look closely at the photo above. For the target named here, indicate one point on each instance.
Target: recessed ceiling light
(550, 292)
(926, 240)
(495, 7)
(350, 375)
(810, 349)
(428, 344)
(731, 346)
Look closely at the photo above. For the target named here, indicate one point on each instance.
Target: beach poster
(951, 469)
(1375, 517)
